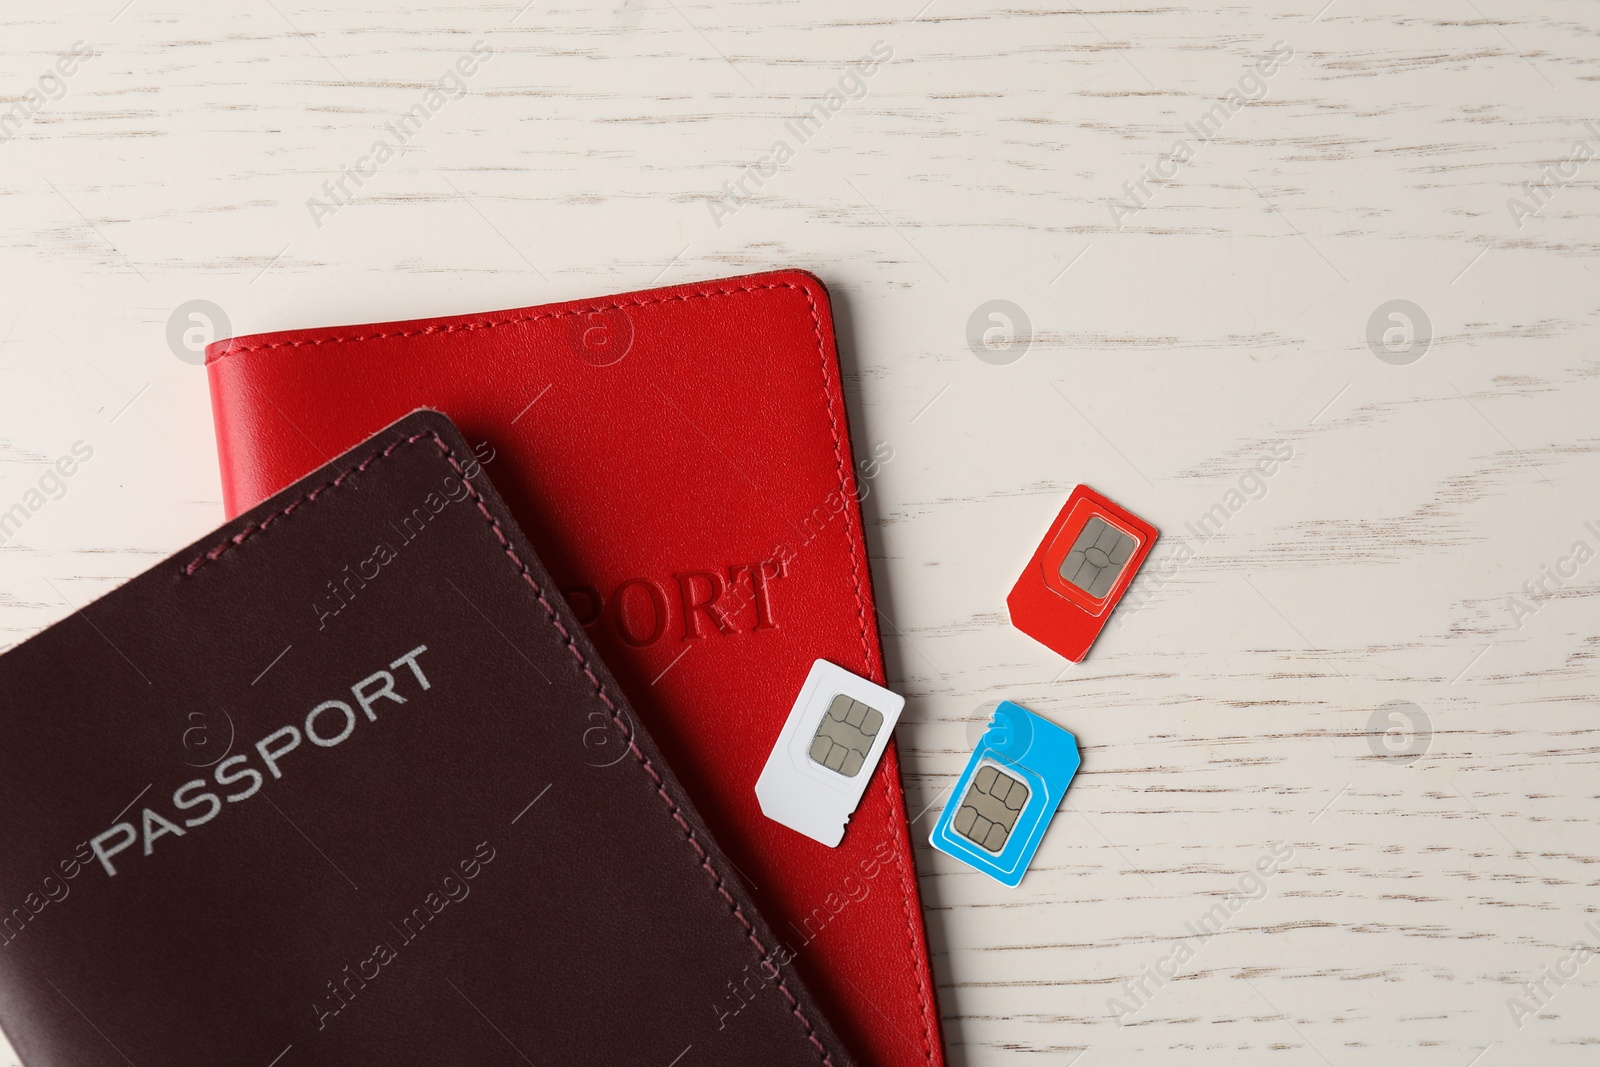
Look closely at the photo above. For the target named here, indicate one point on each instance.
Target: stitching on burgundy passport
(643, 761)
(907, 879)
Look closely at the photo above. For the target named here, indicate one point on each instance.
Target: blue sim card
(1008, 794)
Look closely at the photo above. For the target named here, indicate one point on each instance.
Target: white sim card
(834, 736)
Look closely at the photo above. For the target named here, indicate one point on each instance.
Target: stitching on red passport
(907, 879)
(901, 845)
(489, 324)
(510, 551)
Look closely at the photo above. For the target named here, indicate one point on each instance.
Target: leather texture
(681, 460)
(438, 873)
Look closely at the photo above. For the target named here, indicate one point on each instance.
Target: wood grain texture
(1227, 317)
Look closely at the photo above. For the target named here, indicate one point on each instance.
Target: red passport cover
(680, 458)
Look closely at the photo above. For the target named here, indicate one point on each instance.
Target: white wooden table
(1176, 334)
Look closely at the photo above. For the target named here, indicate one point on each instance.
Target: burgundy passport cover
(681, 460)
(240, 832)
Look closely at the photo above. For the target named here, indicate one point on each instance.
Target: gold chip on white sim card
(828, 748)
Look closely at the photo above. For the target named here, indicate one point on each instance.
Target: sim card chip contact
(845, 735)
(1097, 557)
(990, 808)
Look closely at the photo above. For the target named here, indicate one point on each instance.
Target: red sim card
(1080, 570)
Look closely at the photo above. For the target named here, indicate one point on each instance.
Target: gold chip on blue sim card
(1010, 790)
